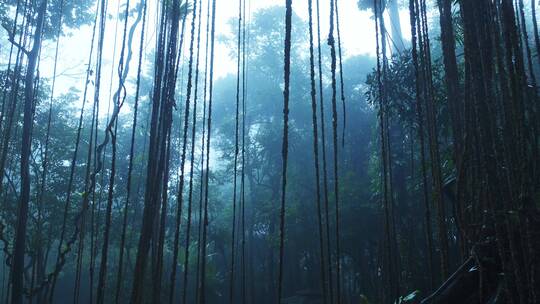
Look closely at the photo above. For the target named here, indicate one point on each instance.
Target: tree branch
(12, 185)
(11, 38)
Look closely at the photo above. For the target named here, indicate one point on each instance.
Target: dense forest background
(255, 159)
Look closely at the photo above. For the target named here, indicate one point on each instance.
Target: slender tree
(17, 284)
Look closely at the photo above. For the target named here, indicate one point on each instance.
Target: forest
(270, 151)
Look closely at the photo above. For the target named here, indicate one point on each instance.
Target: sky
(357, 35)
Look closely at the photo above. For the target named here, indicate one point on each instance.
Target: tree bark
(17, 283)
(451, 70)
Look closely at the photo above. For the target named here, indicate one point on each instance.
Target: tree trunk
(22, 217)
(451, 71)
(398, 44)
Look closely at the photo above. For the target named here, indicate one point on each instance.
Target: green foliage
(359, 164)
(411, 298)
(74, 13)
(368, 4)
(363, 299)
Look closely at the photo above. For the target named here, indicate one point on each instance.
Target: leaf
(363, 299)
(411, 297)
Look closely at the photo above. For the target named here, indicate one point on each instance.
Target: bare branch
(12, 185)
(11, 38)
